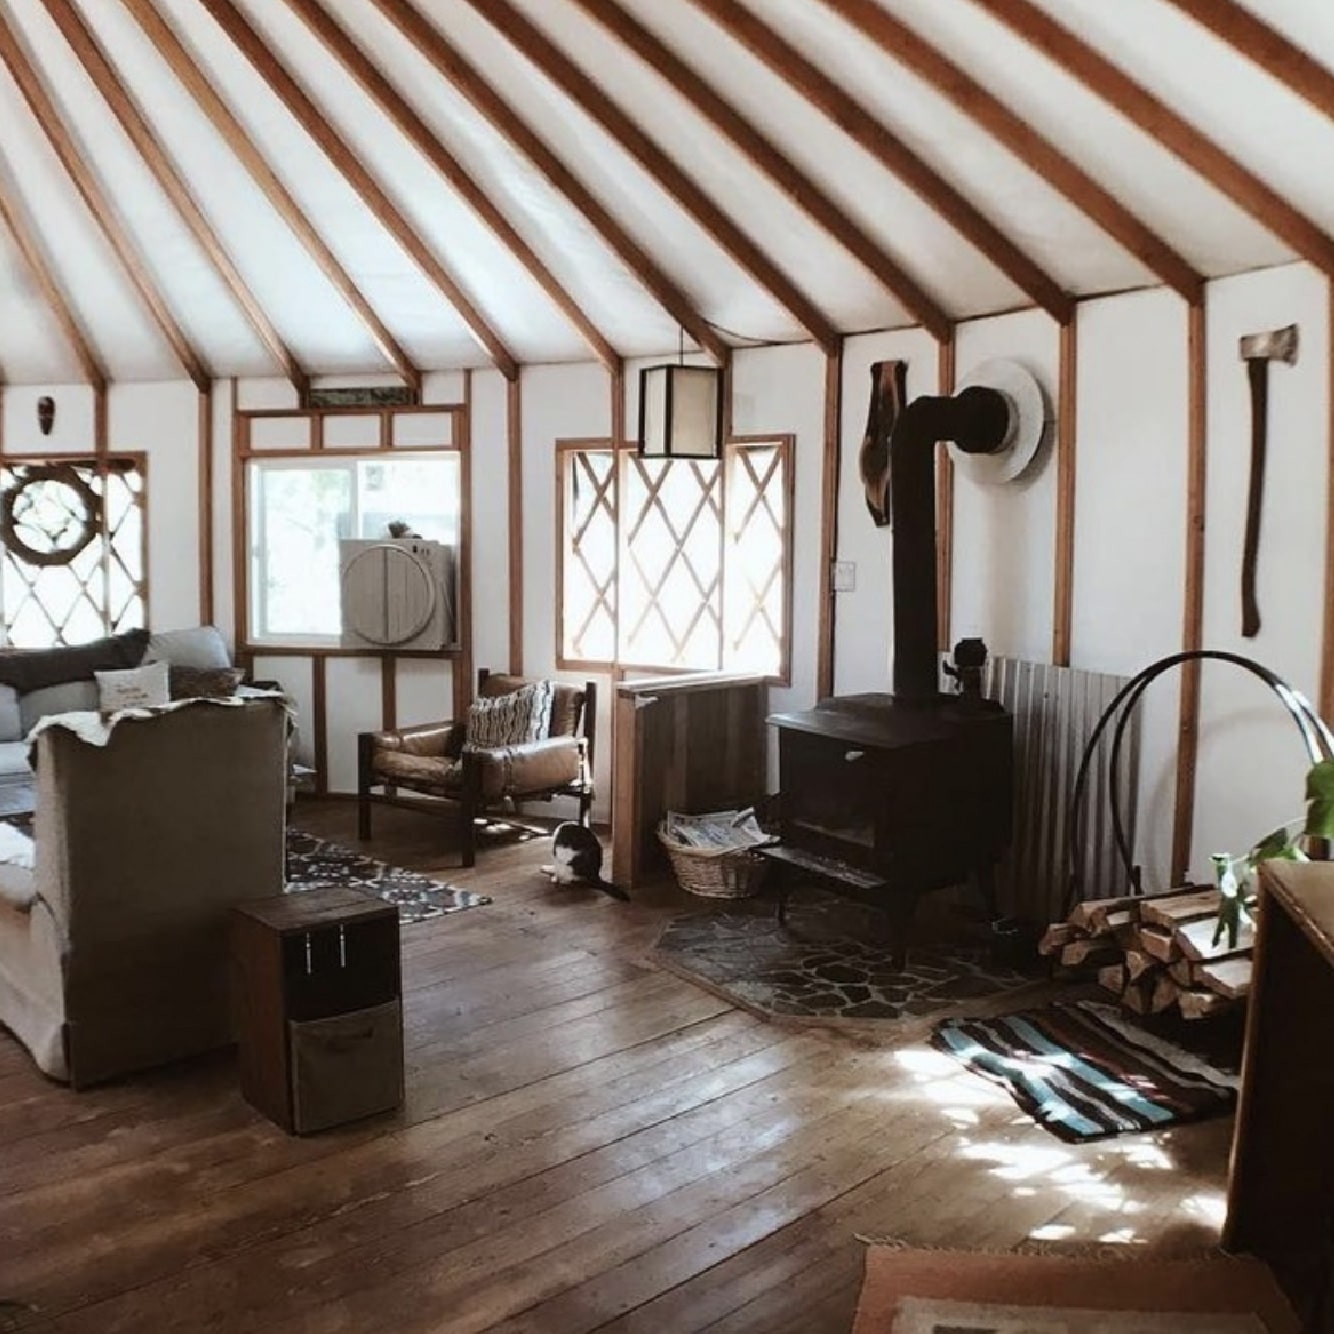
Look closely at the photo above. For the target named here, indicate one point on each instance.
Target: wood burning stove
(887, 796)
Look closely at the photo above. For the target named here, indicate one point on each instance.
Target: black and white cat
(576, 858)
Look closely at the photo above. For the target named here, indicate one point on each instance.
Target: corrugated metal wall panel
(1055, 710)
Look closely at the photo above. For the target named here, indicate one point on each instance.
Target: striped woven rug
(1084, 1070)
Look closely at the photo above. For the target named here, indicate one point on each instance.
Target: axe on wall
(1257, 351)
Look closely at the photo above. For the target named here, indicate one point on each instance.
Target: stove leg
(900, 912)
(783, 886)
(986, 886)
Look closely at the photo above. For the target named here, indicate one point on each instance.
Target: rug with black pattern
(313, 863)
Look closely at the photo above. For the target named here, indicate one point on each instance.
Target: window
(675, 564)
(93, 507)
(300, 510)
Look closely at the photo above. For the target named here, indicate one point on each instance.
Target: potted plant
(1314, 840)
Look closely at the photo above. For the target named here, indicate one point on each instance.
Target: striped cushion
(511, 720)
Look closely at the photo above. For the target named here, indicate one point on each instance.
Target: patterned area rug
(950, 1292)
(1085, 1071)
(314, 862)
(826, 965)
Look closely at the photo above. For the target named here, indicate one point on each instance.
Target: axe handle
(1257, 370)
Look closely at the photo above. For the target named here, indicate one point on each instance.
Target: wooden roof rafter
(1252, 37)
(449, 62)
(360, 68)
(839, 106)
(1149, 113)
(97, 63)
(345, 160)
(588, 96)
(43, 107)
(53, 294)
(769, 158)
(1028, 144)
(229, 128)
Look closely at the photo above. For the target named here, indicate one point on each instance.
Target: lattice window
(103, 588)
(588, 574)
(671, 557)
(673, 563)
(757, 559)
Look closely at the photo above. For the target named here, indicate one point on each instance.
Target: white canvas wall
(1129, 524)
(1251, 759)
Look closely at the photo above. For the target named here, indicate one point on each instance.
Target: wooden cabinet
(1281, 1187)
(317, 998)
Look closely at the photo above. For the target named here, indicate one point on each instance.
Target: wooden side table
(317, 998)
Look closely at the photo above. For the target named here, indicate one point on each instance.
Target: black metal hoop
(1316, 736)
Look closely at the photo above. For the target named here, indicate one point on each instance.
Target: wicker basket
(733, 873)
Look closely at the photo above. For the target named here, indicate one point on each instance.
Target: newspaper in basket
(713, 854)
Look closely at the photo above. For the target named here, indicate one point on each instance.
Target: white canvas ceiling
(520, 271)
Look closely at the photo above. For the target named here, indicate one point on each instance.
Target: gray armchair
(433, 760)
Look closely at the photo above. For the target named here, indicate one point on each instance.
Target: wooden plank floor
(588, 1144)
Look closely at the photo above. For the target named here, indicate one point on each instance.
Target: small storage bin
(346, 1066)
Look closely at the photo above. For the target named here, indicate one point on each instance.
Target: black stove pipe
(977, 420)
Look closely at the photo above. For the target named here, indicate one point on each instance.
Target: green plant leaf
(1320, 799)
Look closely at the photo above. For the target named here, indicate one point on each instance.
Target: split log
(1091, 952)
(1173, 912)
(1138, 995)
(1161, 945)
(1164, 994)
(1091, 915)
(1183, 972)
(1138, 963)
(1230, 978)
(1112, 978)
(1196, 940)
(1202, 1004)
(1056, 937)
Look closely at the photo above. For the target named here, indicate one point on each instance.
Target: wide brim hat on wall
(1029, 421)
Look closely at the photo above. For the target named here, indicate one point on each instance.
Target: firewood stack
(1156, 952)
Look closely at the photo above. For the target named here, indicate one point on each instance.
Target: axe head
(1276, 345)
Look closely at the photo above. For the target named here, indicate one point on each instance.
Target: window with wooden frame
(74, 559)
(301, 508)
(675, 564)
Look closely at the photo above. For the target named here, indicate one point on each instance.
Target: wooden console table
(690, 743)
(1281, 1184)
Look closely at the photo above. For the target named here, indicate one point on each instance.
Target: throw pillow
(11, 720)
(203, 682)
(32, 668)
(511, 720)
(138, 688)
(199, 646)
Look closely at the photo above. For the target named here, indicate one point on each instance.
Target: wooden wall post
(833, 404)
(1066, 446)
(1192, 630)
(514, 438)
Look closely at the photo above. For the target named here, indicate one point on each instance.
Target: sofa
(113, 944)
(35, 683)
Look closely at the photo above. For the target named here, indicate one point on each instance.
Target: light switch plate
(845, 576)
